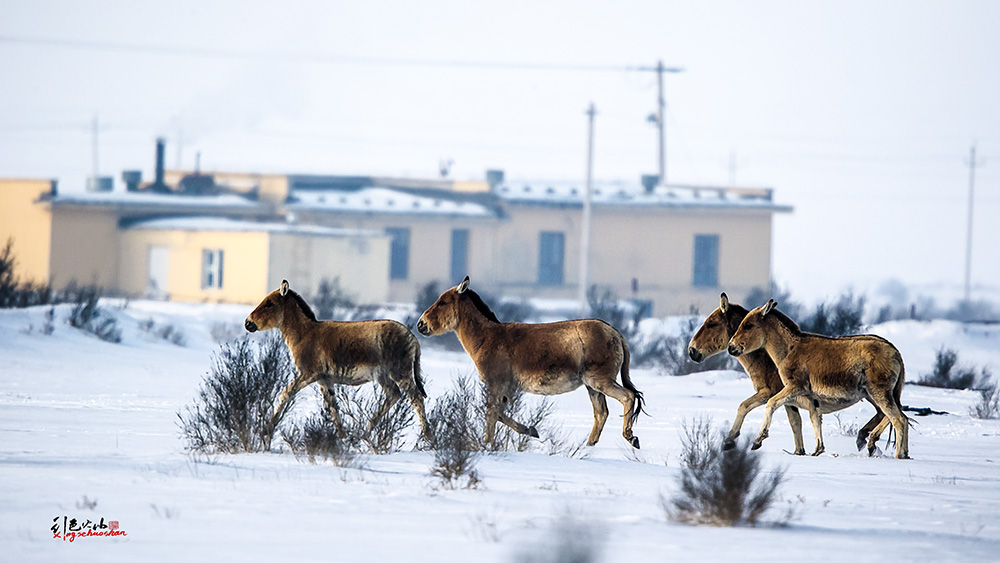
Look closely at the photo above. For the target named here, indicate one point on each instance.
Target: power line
(309, 57)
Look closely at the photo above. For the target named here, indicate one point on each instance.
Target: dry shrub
(720, 488)
(236, 399)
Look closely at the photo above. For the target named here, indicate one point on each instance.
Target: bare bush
(319, 439)
(948, 374)
(454, 434)
(169, 333)
(568, 540)
(333, 302)
(226, 332)
(236, 399)
(989, 403)
(366, 425)
(17, 294)
(89, 316)
(720, 488)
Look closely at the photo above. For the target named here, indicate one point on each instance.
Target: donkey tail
(627, 383)
(417, 376)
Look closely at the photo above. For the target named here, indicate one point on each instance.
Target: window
(459, 254)
(211, 269)
(706, 261)
(399, 253)
(551, 248)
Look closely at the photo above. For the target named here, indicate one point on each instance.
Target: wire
(317, 59)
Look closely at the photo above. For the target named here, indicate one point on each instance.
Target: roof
(217, 224)
(568, 194)
(153, 199)
(386, 200)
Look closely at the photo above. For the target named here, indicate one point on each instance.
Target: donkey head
(270, 313)
(713, 336)
(442, 316)
(750, 335)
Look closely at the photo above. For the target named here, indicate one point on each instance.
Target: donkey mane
(734, 316)
(786, 322)
(481, 306)
(303, 305)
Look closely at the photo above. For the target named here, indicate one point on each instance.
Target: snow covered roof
(625, 194)
(153, 199)
(386, 200)
(235, 225)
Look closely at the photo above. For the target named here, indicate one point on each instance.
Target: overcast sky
(858, 114)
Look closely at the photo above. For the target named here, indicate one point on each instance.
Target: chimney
(132, 179)
(158, 186)
(494, 178)
(649, 182)
(159, 161)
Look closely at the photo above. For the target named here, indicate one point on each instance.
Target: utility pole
(585, 221)
(973, 164)
(661, 104)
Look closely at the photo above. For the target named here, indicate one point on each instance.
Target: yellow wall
(430, 246)
(360, 263)
(653, 245)
(29, 224)
(84, 246)
(245, 262)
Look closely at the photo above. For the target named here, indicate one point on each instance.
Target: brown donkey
(713, 337)
(543, 359)
(342, 353)
(824, 374)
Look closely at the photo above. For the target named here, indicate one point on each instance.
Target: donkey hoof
(532, 431)
(730, 444)
(635, 442)
(818, 452)
(755, 446)
(800, 451)
(871, 450)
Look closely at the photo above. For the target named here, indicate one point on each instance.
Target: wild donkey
(823, 373)
(544, 359)
(714, 336)
(345, 353)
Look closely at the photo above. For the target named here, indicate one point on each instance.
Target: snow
(85, 421)
(627, 194)
(217, 224)
(140, 198)
(385, 200)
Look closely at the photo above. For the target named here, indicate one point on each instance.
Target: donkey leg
(876, 434)
(611, 388)
(815, 417)
(292, 389)
(493, 409)
(392, 396)
(331, 406)
(409, 388)
(788, 393)
(795, 421)
(899, 422)
(757, 399)
(517, 426)
(873, 424)
(600, 414)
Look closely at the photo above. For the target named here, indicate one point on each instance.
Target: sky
(859, 116)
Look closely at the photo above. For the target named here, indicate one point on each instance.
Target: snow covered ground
(88, 430)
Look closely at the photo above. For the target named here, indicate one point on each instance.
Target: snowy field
(88, 430)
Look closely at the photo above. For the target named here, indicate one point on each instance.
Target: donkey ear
(284, 288)
(464, 285)
(724, 302)
(769, 306)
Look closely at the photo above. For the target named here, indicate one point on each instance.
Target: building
(233, 237)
